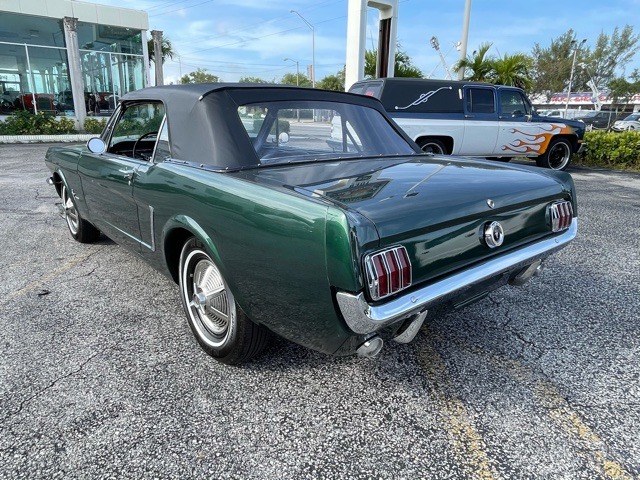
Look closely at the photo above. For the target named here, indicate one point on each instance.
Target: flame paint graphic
(535, 143)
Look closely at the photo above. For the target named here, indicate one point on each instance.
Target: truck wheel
(220, 326)
(432, 145)
(557, 156)
(81, 230)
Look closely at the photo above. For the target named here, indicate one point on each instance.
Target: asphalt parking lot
(101, 378)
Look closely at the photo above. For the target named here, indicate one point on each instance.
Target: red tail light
(560, 215)
(388, 272)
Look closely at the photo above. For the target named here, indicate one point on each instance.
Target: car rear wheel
(557, 156)
(81, 230)
(221, 328)
(432, 145)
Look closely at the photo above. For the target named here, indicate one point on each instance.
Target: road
(101, 378)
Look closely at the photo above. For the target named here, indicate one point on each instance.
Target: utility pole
(465, 36)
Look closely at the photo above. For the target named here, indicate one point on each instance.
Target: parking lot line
(558, 409)
(467, 442)
(53, 274)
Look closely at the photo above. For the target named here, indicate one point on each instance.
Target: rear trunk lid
(437, 206)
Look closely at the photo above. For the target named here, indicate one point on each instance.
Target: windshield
(290, 131)
(632, 118)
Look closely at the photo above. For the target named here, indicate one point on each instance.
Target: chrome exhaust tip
(370, 348)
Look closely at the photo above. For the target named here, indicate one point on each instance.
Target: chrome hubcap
(210, 300)
(70, 212)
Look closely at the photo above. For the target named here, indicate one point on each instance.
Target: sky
(241, 38)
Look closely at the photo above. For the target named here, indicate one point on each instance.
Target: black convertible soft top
(203, 120)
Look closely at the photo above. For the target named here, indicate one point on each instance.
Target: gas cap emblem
(490, 203)
(493, 234)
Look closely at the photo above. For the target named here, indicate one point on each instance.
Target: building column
(157, 55)
(75, 70)
(356, 38)
(145, 54)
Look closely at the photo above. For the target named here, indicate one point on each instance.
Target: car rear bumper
(364, 318)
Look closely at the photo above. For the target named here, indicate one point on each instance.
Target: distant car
(44, 102)
(632, 122)
(336, 247)
(601, 120)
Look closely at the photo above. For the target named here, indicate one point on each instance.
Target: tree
(290, 79)
(612, 53)
(167, 49)
(200, 76)
(403, 66)
(478, 66)
(552, 65)
(513, 70)
(333, 82)
(621, 90)
(252, 80)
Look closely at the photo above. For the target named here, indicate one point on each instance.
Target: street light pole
(297, 69)
(573, 66)
(313, 48)
(297, 82)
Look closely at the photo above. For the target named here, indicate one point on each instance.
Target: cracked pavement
(101, 378)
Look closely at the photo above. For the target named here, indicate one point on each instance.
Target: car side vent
(388, 272)
(560, 215)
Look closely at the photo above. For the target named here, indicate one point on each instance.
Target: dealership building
(70, 57)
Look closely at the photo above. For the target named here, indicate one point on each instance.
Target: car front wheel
(557, 156)
(220, 326)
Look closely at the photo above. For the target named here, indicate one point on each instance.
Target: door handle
(129, 175)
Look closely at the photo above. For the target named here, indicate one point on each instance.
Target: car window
(480, 100)
(162, 151)
(305, 131)
(512, 102)
(136, 128)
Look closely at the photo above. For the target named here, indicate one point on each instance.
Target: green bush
(94, 125)
(611, 150)
(23, 122)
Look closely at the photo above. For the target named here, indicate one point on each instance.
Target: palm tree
(403, 66)
(167, 50)
(514, 70)
(477, 67)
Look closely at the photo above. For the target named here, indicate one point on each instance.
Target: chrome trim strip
(153, 232)
(363, 318)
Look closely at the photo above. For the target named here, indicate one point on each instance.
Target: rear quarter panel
(269, 244)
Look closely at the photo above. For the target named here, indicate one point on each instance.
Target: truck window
(512, 102)
(480, 100)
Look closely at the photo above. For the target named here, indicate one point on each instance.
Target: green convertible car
(271, 220)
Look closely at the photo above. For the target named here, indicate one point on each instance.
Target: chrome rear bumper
(363, 318)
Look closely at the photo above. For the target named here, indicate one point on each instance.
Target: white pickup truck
(475, 119)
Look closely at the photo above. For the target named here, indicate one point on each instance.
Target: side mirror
(283, 137)
(96, 145)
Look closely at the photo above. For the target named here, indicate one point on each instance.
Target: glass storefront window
(34, 69)
(32, 30)
(107, 38)
(32, 78)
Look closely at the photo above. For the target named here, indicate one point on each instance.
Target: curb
(45, 138)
